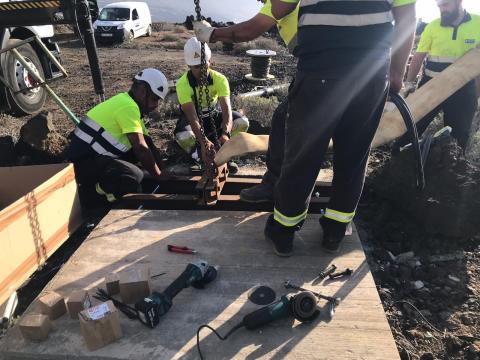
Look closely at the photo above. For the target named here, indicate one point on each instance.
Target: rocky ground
(423, 247)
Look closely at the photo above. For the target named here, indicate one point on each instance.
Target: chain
(203, 86)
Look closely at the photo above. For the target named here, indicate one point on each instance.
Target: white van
(123, 21)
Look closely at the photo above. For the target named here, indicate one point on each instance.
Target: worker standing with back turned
(339, 93)
(246, 31)
(442, 42)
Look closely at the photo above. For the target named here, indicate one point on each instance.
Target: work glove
(408, 88)
(203, 31)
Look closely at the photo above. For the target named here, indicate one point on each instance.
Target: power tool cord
(232, 330)
(129, 311)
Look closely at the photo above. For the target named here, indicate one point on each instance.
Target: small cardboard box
(134, 284)
(100, 325)
(112, 284)
(52, 304)
(78, 301)
(35, 327)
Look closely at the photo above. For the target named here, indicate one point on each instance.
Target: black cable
(129, 311)
(260, 67)
(232, 330)
(412, 131)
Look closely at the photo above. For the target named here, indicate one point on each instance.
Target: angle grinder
(302, 306)
(151, 308)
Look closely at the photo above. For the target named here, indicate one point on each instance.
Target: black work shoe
(281, 237)
(259, 193)
(232, 167)
(333, 234)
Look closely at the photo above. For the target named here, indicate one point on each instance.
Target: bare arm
(403, 34)
(244, 31)
(281, 9)
(144, 154)
(226, 107)
(415, 66)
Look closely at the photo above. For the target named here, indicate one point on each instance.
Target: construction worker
(339, 93)
(442, 42)
(112, 137)
(246, 31)
(227, 123)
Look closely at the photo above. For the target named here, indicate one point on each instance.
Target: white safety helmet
(157, 81)
(192, 52)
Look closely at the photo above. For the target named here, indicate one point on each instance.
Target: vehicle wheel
(31, 100)
(130, 36)
(149, 30)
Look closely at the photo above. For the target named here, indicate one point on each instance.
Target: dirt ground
(429, 282)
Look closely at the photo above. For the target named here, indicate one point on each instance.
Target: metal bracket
(209, 189)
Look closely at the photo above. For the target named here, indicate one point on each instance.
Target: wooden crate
(39, 209)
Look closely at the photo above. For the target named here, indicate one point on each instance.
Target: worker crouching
(195, 110)
(112, 138)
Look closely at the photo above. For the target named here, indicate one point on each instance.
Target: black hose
(412, 131)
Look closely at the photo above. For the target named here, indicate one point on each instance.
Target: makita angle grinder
(302, 306)
(151, 308)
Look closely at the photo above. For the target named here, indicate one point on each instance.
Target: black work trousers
(458, 112)
(114, 176)
(346, 110)
(276, 143)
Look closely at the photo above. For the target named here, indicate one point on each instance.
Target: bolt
(347, 272)
(329, 270)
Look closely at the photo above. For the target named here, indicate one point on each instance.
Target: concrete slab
(233, 241)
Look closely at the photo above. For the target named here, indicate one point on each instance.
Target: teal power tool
(302, 306)
(151, 308)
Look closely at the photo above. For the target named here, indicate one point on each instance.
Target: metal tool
(181, 249)
(289, 285)
(347, 272)
(329, 270)
(151, 308)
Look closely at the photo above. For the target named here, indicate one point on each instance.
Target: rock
(467, 319)
(405, 257)
(426, 313)
(405, 355)
(417, 285)
(444, 315)
(427, 356)
(7, 151)
(459, 255)
(453, 343)
(36, 130)
(404, 273)
(416, 334)
(453, 281)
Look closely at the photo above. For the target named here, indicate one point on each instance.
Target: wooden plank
(234, 242)
(38, 222)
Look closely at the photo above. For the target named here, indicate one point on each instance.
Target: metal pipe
(38, 79)
(266, 91)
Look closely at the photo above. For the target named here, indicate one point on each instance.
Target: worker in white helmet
(112, 137)
(228, 123)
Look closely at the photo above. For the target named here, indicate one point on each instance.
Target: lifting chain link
(210, 167)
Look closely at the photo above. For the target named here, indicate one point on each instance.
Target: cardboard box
(112, 284)
(100, 325)
(134, 284)
(35, 327)
(41, 210)
(52, 304)
(78, 301)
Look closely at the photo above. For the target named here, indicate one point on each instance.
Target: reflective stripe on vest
(335, 13)
(339, 216)
(101, 141)
(289, 221)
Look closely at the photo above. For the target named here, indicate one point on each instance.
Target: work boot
(333, 234)
(232, 167)
(281, 236)
(259, 193)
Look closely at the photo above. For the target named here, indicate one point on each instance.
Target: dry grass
(257, 108)
(170, 38)
(261, 43)
(179, 29)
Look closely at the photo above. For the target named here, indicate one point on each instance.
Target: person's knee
(186, 139)
(240, 124)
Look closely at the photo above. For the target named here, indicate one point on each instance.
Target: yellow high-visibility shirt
(287, 26)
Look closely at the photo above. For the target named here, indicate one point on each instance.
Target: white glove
(203, 30)
(408, 88)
